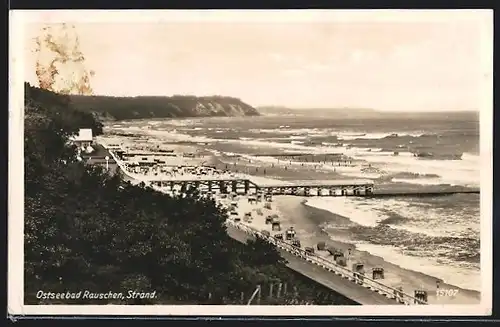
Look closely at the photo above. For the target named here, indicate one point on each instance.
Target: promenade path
(361, 294)
(349, 289)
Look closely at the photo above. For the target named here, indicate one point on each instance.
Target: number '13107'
(447, 292)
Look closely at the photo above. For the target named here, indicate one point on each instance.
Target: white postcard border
(16, 162)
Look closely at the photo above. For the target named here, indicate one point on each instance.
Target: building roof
(84, 134)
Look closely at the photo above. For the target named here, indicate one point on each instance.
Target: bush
(88, 230)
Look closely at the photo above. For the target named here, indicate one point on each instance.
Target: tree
(88, 230)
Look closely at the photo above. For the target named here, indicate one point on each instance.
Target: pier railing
(376, 286)
(344, 272)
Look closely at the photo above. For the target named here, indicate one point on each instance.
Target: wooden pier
(358, 187)
(246, 186)
(330, 188)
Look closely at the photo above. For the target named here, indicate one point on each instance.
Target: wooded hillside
(88, 230)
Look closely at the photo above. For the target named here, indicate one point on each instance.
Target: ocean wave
(359, 174)
(442, 242)
(454, 248)
(446, 217)
(411, 175)
(464, 275)
(460, 172)
(349, 136)
(421, 181)
(332, 144)
(297, 137)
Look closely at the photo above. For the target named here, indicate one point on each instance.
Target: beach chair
(337, 254)
(420, 297)
(275, 226)
(290, 233)
(309, 250)
(296, 243)
(321, 246)
(358, 267)
(278, 236)
(377, 273)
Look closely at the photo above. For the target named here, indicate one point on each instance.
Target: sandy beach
(292, 212)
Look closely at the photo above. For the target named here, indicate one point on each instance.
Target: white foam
(362, 215)
(426, 220)
(463, 277)
(436, 224)
(349, 135)
(419, 181)
(292, 131)
(297, 137)
(460, 172)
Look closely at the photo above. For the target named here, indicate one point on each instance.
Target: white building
(84, 138)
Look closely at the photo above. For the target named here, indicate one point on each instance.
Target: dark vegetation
(119, 108)
(86, 229)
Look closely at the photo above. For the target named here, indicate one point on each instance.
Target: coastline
(307, 221)
(314, 217)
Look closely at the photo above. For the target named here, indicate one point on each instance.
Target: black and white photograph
(269, 163)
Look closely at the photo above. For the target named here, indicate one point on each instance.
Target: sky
(401, 63)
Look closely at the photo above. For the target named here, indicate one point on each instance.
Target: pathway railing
(344, 272)
(341, 271)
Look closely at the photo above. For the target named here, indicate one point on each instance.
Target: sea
(438, 236)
